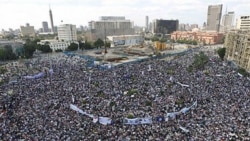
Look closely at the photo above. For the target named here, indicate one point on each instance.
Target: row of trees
(30, 46)
(191, 42)
(6, 53)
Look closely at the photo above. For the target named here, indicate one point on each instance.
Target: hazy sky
(14, 13)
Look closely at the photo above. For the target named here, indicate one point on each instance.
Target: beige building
(243, 22)
(200, 37)
(237, 43)
(228, 21)
(28, 30)
(67, 33)
(214, 17)
(110, 26)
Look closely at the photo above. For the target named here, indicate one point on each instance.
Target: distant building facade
(110, 26)
(165, 26)
(243, 22)
(237, 43)
(214, 17)
(67, 32)
(228, 21)
(126, 40)
(45, 26)
(187, 27)
(55, 44)
(200, 37)
(27, 30)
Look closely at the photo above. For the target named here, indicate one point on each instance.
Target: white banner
(137, 121)
(105, 120)
(183, 85)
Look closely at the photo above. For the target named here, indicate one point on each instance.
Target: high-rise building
(214, 17)
(228, 21)
(146, 24)
(51, 21)
(67, 33)
(165, 26)
(194, 26)
(27, 30)
(110, 26)
(237, 43)
(243, 22)
(45, 26)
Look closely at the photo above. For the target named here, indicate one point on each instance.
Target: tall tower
(146, 24)
(51, 20)
(214, 17)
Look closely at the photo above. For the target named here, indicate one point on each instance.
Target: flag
(160, 118)
(73, 99)
(184, 129)
(149, 68)
(95, 119)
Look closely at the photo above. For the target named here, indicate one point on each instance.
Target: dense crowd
(39, 109)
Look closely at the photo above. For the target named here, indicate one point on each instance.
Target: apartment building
(214, 17)
(237, 43)
(110, 26)
(67, 32)
(28, 30)
(243, 22)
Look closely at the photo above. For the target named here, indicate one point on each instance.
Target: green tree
(108, 44)
(44, 48)
(200, 60)
(98, 43)
(87, 45)
(28, 50)
(30, 47)
(6, 53)
(81, 45)
(221, 52)
(2, 54)
(72, 47)
(243, 72)
(154, 39)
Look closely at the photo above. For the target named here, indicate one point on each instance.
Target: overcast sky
(14, 13)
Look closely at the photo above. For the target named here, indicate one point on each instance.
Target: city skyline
(16, 13)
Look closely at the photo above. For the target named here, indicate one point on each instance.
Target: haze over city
(15, 13)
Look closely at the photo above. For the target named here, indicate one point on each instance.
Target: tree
(28, 50)
(72, 47)
(200, 60)
(44, 48)
(88, 45)
(108, 44)
(30, 47)
(98, 43)
(243, 72)
(155, 39)
(81, 45)
(6, 53)
(221, 52)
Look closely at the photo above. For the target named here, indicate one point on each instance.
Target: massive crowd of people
(39, 108)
